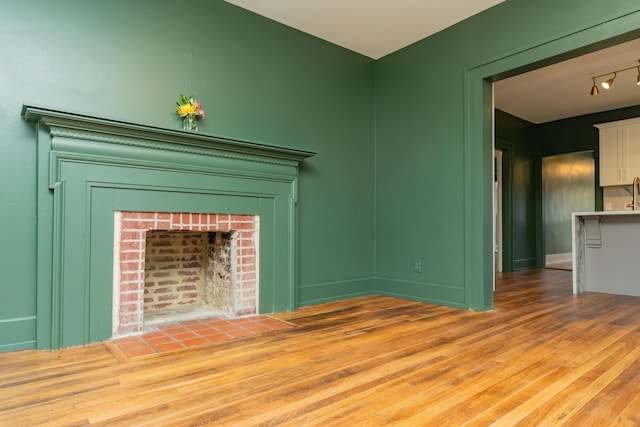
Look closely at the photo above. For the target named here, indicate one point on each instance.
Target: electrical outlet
(417, 265)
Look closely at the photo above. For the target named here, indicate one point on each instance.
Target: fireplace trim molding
(88, 167)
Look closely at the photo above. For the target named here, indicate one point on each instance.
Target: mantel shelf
(73, 125)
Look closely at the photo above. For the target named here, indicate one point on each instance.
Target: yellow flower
(186, 109)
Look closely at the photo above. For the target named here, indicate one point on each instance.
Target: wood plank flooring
(543, 357)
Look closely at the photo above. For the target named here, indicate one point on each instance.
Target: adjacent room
(319, 213)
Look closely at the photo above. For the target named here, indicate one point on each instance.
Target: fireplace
(93, 173)
(177, 265)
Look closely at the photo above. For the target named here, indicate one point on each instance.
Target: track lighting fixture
(606, 84)
(594, 88)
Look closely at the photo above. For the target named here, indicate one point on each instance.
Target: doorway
(568, 185)
(497, 209)
(479, 141)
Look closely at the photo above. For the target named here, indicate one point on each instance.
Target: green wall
(576, 133)
(434, 138)
(403, 170)
(258, 81)
(515, 137)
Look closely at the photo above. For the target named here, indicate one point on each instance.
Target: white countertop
(606, 213)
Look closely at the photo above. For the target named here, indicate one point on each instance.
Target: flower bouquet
(190, 110)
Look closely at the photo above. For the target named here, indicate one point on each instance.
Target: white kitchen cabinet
(619, 152)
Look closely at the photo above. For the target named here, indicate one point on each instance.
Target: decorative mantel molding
(89, 168)
(88, 128)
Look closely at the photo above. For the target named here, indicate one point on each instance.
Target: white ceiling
(563, 90)
(375, 28)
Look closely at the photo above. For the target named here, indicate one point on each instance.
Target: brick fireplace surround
(129, 269)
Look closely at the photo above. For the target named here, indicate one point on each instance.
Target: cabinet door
(611, 156)
(631, 138)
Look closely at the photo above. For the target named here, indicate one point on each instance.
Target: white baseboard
(558, 258)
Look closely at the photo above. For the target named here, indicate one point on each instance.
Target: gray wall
(568, 185)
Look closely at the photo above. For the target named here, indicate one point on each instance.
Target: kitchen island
(606, 252)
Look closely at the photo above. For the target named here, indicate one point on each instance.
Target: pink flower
(201, 113)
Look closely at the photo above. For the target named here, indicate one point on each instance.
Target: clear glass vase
(190, 123)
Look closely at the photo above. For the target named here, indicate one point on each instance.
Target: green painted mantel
(90, 167)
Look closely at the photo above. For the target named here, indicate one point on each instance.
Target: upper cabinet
(619, 152)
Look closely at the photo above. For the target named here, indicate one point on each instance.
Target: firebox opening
(198, 265)
(187, 272)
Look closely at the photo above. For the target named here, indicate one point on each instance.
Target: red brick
(161, 274)
(157, 242)
(167, 282)
(129, 225)
(129, 276)
(126, 287)
(242, 226)
(171, 250)
(128, 297)
(146, 215)
(192, 265)
(188, 242)
(128, 308)
(130, 266)
(247, 252)
(130, 256)
(187, 273)
(250, 276)
(131, 245)
(161, 258)
(126, 235)
(190, 295)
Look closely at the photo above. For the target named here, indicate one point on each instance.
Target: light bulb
(608, 83)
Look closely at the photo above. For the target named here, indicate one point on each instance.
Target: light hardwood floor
(542, 357)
